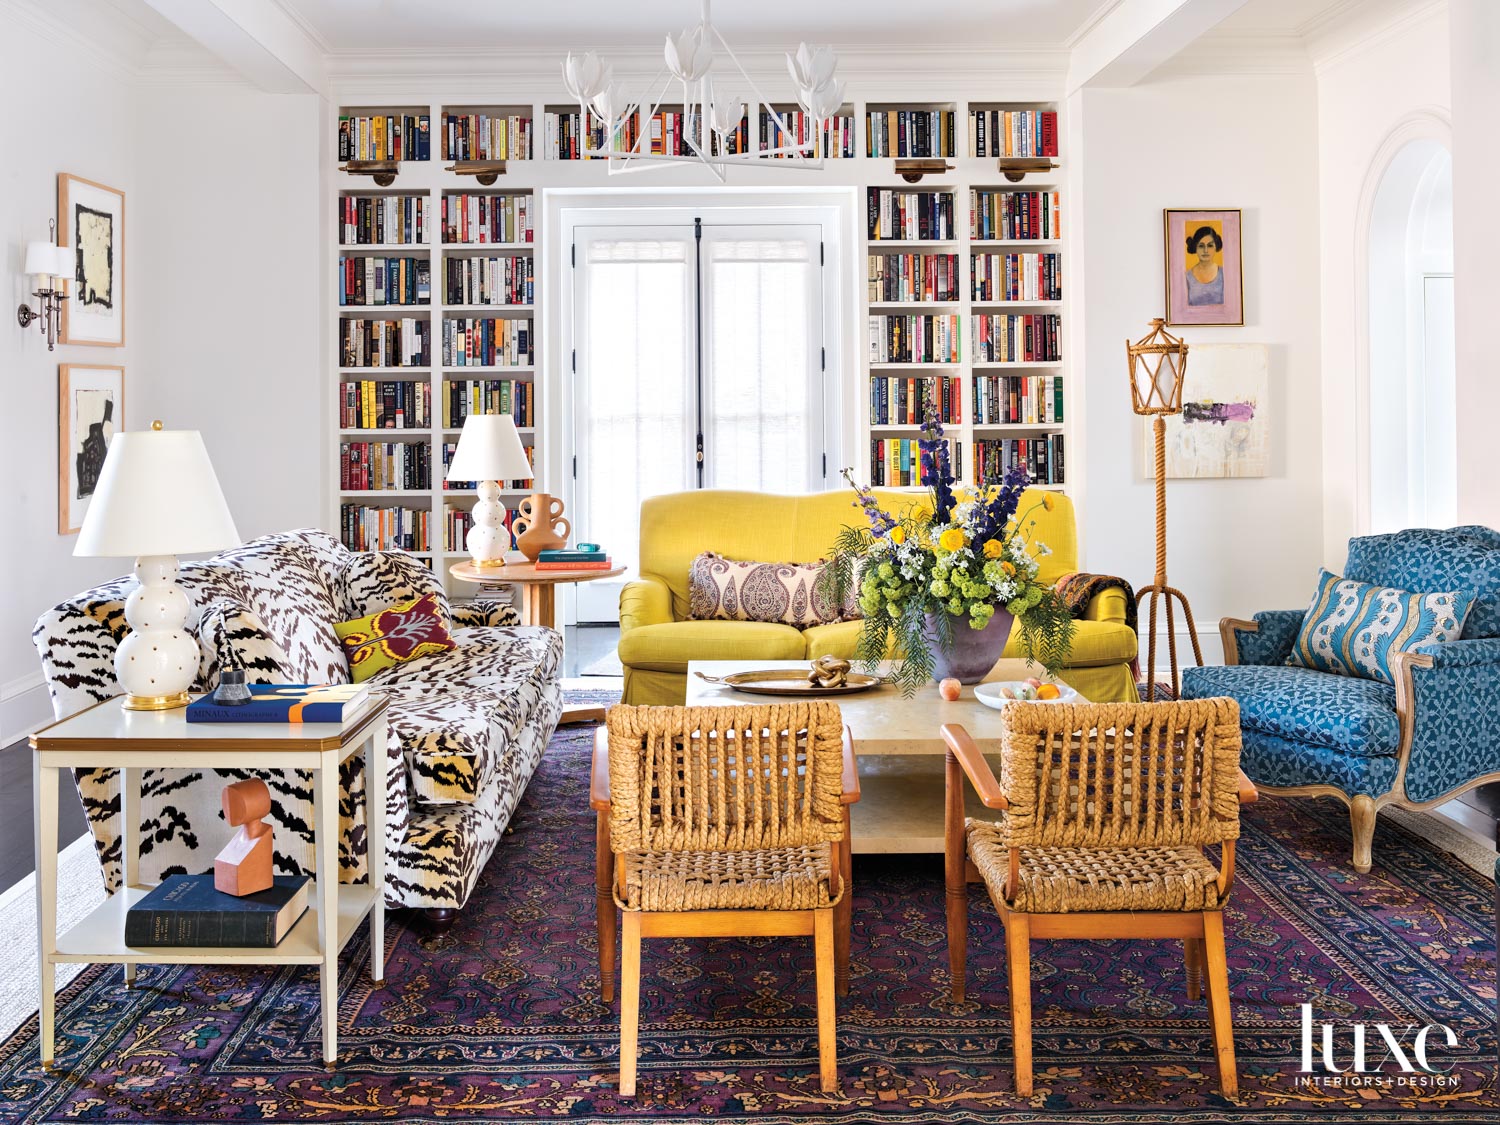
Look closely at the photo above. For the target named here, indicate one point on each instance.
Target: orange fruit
(1048, 691)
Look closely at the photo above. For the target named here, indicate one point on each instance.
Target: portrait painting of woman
(1204, 273)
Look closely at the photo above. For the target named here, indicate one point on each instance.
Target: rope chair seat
(1086, 880)
(797, 878)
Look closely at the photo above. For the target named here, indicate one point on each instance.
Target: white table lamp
(157, 498)
(489, 450)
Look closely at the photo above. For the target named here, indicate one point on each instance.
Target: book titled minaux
(187, 910)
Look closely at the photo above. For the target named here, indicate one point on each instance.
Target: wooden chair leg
(823, 941)
(604, 877)
(1362, 814)
(630, 1001)
(843, 919)
(1218, 1001)
(958, 938)
(1018, 955)
(1192, 960)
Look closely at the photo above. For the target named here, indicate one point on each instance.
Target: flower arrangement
(953, 561)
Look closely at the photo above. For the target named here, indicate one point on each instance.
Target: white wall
(1373, 97)
(1234, 546)
(232, 329)
(80, 123)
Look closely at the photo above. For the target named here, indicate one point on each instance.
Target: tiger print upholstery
(468, 726)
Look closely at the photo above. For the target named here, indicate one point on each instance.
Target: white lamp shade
(157, 495)
(489, 449)
(46, 260)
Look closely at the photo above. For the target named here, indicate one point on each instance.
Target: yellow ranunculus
(951, 540)
(1047, 501)
(898, 535)
(1009, 568)
(994, 549)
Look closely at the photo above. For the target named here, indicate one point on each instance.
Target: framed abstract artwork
(90, 411)
(91, 224)
(1204, 269)
(1224, 429)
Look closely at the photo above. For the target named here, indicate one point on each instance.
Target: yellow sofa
(657, 640)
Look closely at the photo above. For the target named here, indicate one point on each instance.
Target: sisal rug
(501, 1019)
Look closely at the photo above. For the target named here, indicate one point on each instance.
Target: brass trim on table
(353, 736)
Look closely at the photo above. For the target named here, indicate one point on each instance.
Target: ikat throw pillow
(393, 636)
(721, 589)
(1356, 629)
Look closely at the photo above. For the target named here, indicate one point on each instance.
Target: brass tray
(790, 682)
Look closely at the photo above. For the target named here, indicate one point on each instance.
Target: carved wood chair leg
(1192, 958)
(630, 1001)
(1018, 956)
(604, 877)
(1362, 813)
(1218, 1001)
(843, 917)
(958, 938)
(823, 939)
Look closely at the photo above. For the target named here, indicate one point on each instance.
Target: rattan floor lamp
(1158, 362)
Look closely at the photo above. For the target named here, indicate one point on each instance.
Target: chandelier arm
(801, 152)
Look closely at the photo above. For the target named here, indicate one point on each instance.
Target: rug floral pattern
(501, 1018)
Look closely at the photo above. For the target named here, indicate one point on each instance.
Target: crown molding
(1234, 54)
(106, 37)
(1365, 26)
(936, 73)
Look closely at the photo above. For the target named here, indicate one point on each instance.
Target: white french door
(699, 362)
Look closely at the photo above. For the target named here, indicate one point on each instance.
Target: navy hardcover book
(285, 703)
(187, 910)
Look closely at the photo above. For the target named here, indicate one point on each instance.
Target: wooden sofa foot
(1362, 813)
(440, 919)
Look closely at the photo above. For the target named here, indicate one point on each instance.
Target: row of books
(910, 132)
(1029, 400)
(897, 462)
(380, 220)
(450, 447)
(835, 141)
(367, 280)
(1018, 216)
(1017, 338)
(1012, 132)
(914, 338)
(903, 401)
(909, 216)
(1042, 458)
(515, 397)
(564, 137)
(457, 522)
(1017, 277)
(385, 136)
(378, 466)
(476, 280)
(487, 341)
(486, 136)
(366, 528)
(913, 277)
(385, 343)
(386, 404)
(477, 220)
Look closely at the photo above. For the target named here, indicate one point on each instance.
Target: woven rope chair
(1107, 808)
(723, 822)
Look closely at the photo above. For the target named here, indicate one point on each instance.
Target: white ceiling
(358, 25)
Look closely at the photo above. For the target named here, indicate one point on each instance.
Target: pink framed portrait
(1204, 268)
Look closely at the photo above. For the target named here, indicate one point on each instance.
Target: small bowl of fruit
(1033, 690)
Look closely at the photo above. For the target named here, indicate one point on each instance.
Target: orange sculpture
(244, 866)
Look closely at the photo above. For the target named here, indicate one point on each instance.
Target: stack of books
(186, 910)
(286, 703)
(574, 560)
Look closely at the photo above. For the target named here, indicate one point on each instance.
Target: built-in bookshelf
(437, 304)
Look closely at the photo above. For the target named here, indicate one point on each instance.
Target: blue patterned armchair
(1416, 743)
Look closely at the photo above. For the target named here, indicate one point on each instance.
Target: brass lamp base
(155, 702)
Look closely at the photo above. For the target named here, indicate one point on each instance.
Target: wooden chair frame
(829, 927)
(1201, 932)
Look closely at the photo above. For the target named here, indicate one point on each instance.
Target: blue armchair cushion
(1355, 629)
(1283, 764)
(1424, 558)
(1352, 716)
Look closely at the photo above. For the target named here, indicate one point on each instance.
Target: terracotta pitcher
(540, 526)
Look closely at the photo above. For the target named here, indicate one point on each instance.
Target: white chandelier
(710, 118)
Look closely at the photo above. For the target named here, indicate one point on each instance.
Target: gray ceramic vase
(971, 653)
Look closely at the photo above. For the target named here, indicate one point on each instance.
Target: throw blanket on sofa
(1080, 587)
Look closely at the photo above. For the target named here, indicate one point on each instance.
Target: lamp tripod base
(1160, 592)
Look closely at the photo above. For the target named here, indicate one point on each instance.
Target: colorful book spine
(366, 280)
(998, 214)
(897, 462)
(478, 220)
(1041, 457)
(384, 466)
(487, 342)
(486, 136)
(481, 280)
(384, 343)
(915, 338)
(913, 277)
(385, 137)
(383, 220)
(1017, 338)
(1012, 132)
(386, 404)
(1025, 400)
(908, 216)
(903, 400)
(367, 528)
(450, 447)
(909, 132)
(1016, 277)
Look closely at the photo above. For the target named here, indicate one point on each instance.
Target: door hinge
(825, 466)
(575, 466)
(820, 253)
(822, 359)
(575, 361)
(573, 255)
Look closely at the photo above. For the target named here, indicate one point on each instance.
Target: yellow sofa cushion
(837, 639)
(669, 647)
(1095, 643)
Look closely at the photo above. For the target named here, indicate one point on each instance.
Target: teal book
(187, 910)
(286, 703)
(572, 556)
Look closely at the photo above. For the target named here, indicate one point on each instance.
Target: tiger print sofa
(469, 725)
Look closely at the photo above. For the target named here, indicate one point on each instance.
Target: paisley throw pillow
(393, 636)
(721, 589)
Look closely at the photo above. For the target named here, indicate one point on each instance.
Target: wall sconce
(383, 172)
(1015, 168)
(913, 169)
(485, 171)
(49, 265)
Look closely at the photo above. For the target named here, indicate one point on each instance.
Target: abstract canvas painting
(1204, 267)
(91, 221)
(1224, 428)
(90, 411)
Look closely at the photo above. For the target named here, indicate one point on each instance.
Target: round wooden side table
(539, 604)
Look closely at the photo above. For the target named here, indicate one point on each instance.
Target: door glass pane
(762, 392)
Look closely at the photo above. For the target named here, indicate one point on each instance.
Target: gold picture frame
(90, 411)
(1193, 239)
(91, 224)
